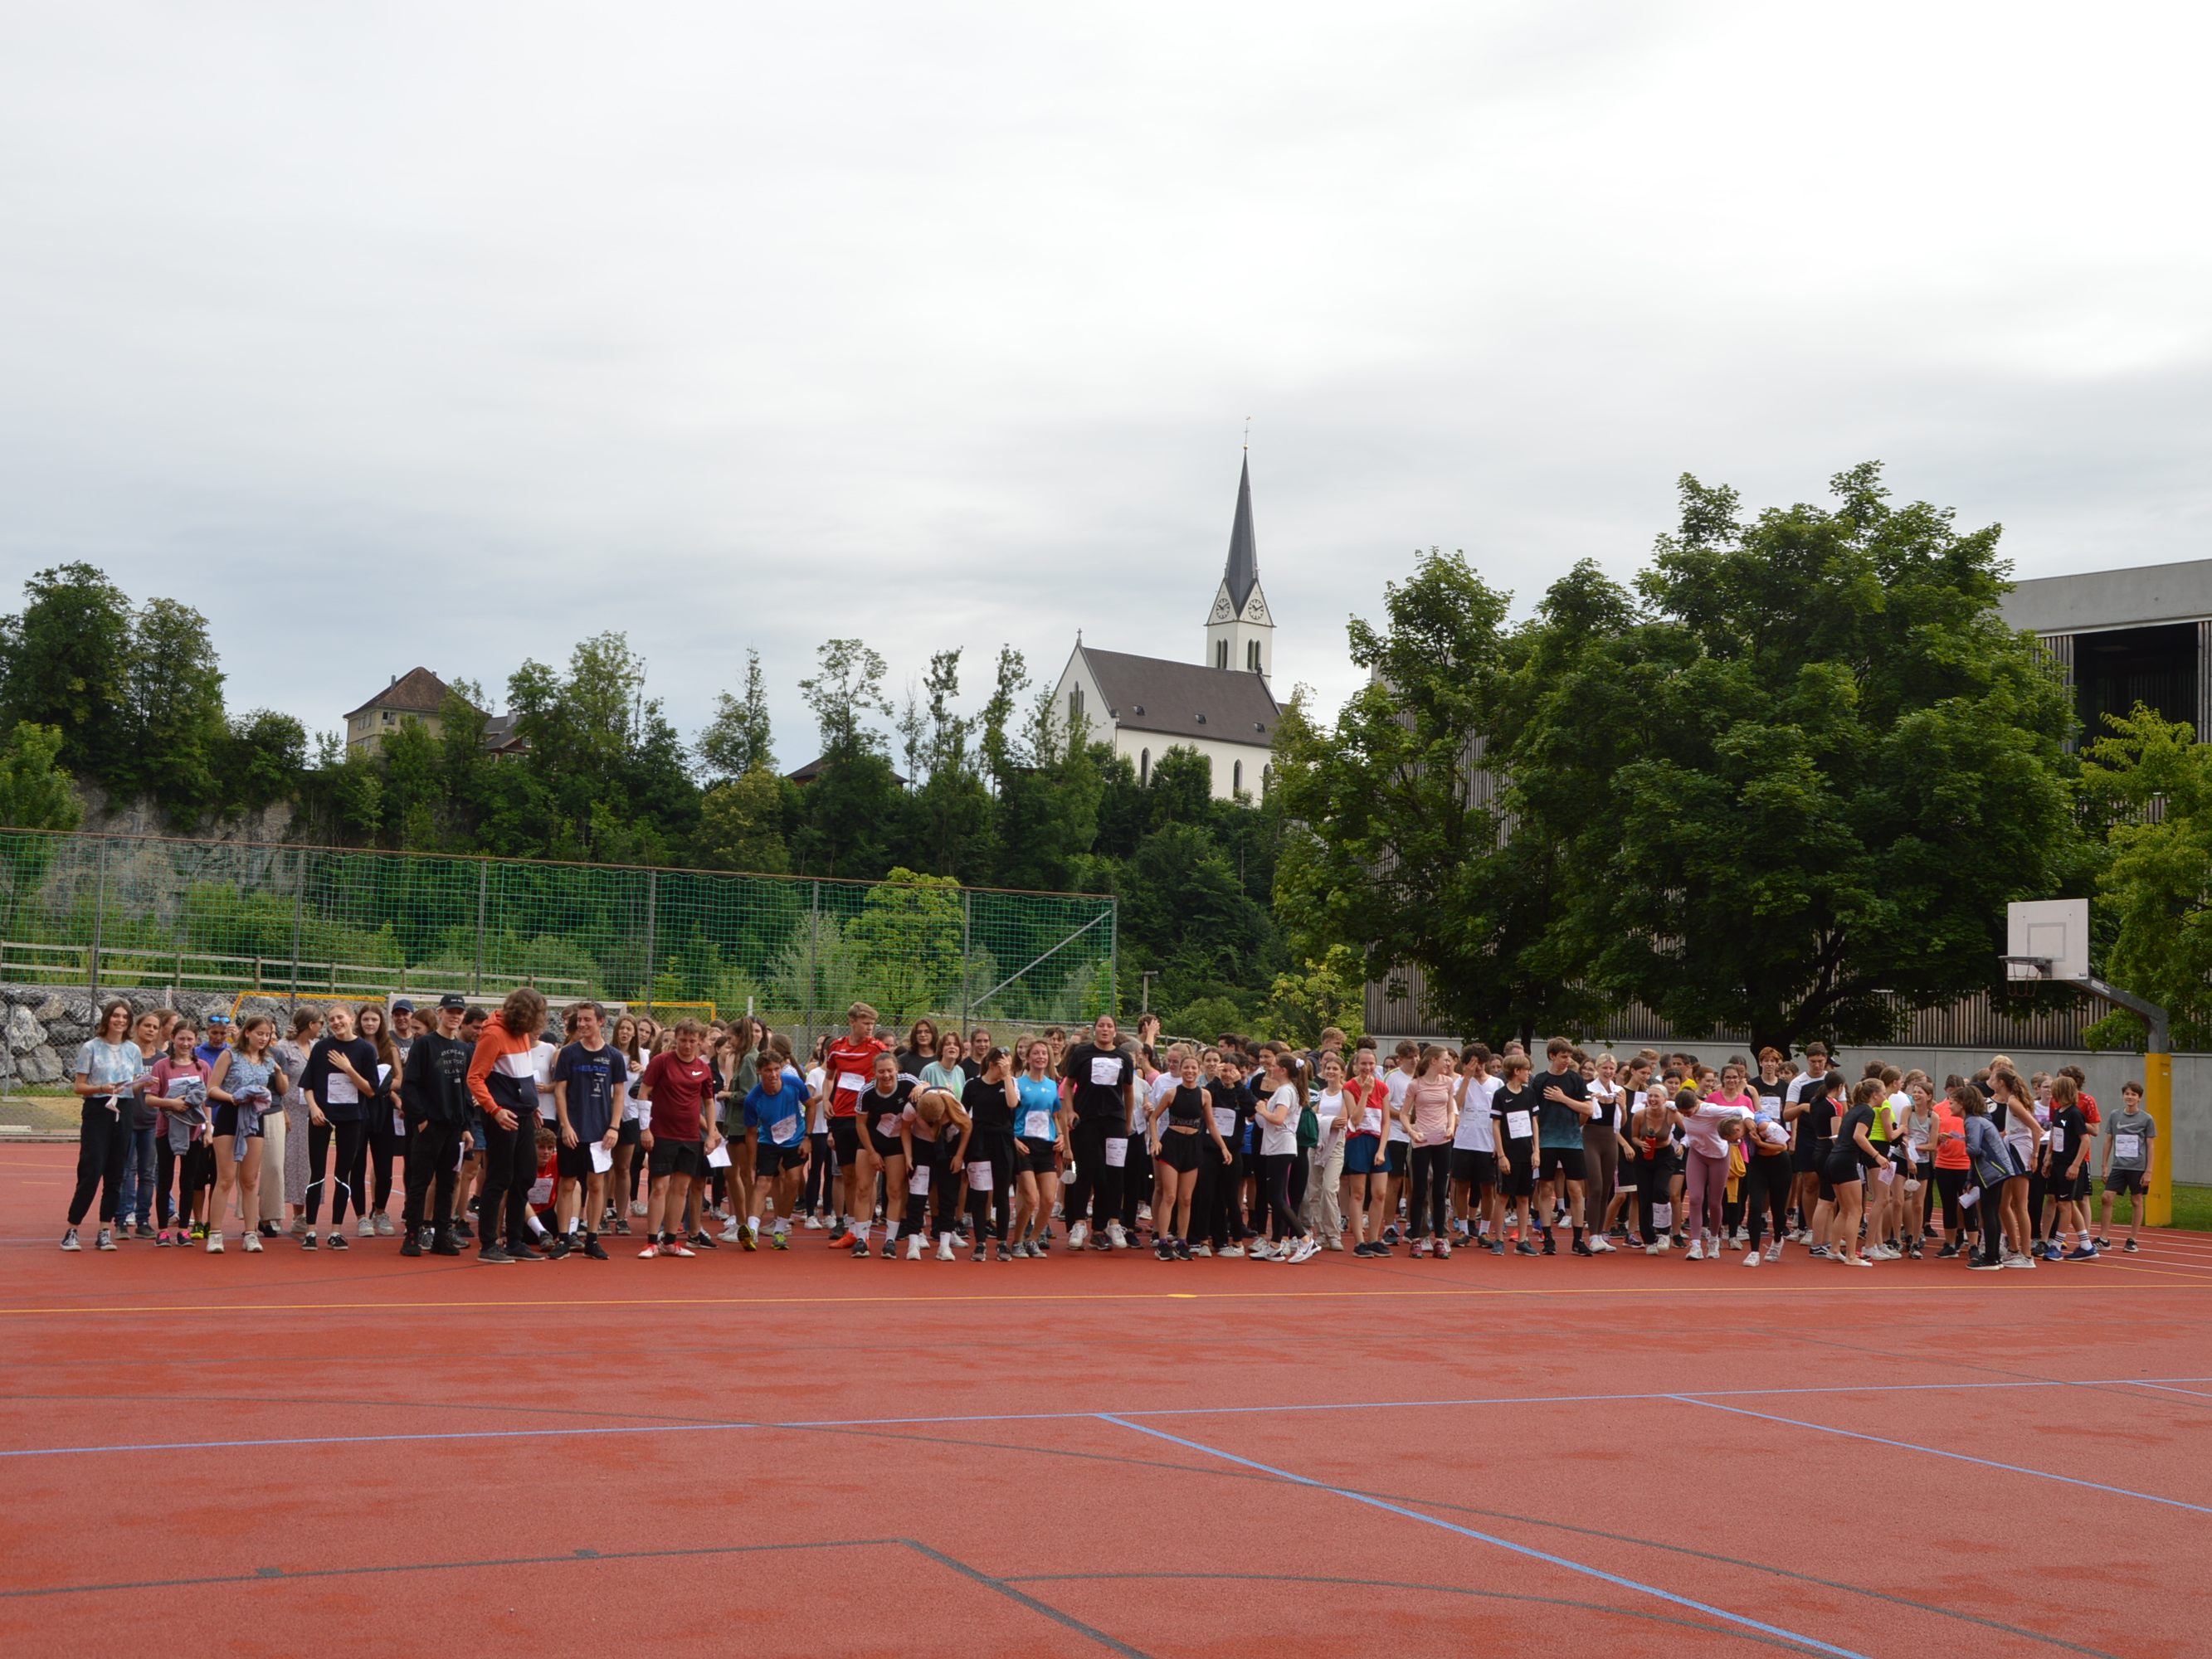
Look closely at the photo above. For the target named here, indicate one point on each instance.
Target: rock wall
(45, 1024)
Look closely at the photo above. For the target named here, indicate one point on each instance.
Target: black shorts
(2079, 1189)
(1840, 1172)
(1179, 1149)
(770, 1160)
(574, 1162)
(1560, 1162)
(845, 1137)
(1038, 1157)
(2127, 1181)
(627, 1134)
(1394, 1159)
(1520, 1181)
(1476, 1168)
(884, 1146)
(1806, 1156)
(226, 1122)
(677, 1157)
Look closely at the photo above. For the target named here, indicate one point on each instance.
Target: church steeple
(1240, 634)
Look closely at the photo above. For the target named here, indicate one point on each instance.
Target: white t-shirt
(1162, 1088)
(1274, 1142)
(1329, 1109)
(1476, 1132)
(819, 1123)
(542, 1056)
(1397, 1082)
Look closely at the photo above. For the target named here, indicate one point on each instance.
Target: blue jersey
(780, 1118)
(1040, 1104)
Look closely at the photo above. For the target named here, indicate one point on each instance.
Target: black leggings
(1766, 1188)
(1275, 1216)
(1431, 1172)
(349, 1135)
(374, 1162)
(821, 1188)
(1098, 1184)
(1949, 1184)
(991, 1211)
(103, 1142)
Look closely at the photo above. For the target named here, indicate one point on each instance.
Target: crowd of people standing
(533, 1141)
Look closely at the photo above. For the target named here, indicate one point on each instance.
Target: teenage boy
(680, 1083)
(588, 1077)
(2127, 1162)
(2066, 1161)
(1562, 1107)
(503, 1081)
(1513, 1114)
(775, 1115)
(1808, 1087)
(850, 1066)
(1474, 1145)
(434, 1093)
(1099, 1082)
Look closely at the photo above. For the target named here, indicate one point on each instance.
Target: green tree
(847, 687)
(611, 782)
(1808, 782)
(1315, 995)
(2154, 781)
(174, 687)
(909, 936)
(737, 739)
(741, 824)
(35, 793)
(262, 759)
(65, 662)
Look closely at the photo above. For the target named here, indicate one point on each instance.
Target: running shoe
(1163, 1251)
(1551, 1245)
(1581, 1249)
(1979, 1266)
(730, 1233)
(1332, 1244)
(1182, 1251)
(2130, 1246)
(1307, 1250)
(1774, 1251)
(2103, 1244)
(307, 1241)
(1101, 1243)
(1524, 1247)
(252, 1243)
(843, 1238)
(2081, 1253)
(779, 1240)
(142, 1231)
(1600, 1244)
(860, 1250)
(1077, 1233)
(214, 1243)
(164, 1240)
(812, 1224)
(889, 1252)
(336, 1242)
(1420, 1248)
(1230, 1249)
(1198, 1249)
(1949, 1252)
(493, 1256)
(677, 1247)
(1697, 1249)
(593, 1250)
(1752, 1258)
(1004, 1253)
(945, 1250)
(384, 1228)
(651, 1250)
(560, 1249)
(1263, 1251)
(2018, 1260)
(748, 1240)
(1390, 1234)
(1443, 1251)
(1497, 1247)
(1118, 1239)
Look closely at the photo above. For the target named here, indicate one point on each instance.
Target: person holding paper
(775, 1117)
(885, 1111)
(2127, 1163)
(850, 1063)
(1100, 1079)
(503, 1081)
(587, 1075)
(1513, 1117)
(434, 1092)
(680, 1085)
(1366, 1183)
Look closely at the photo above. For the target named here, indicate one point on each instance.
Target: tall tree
(736, 740)
(846, 688)
(1800, 794)
(35, 792)
(65, 662)
(174, 685)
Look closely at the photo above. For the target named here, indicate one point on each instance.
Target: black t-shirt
(1847, 1144)
(885, 1114)
(911, 1060)
(593, 1076)
(1821, 1123)
(324, 1081)
(987, 1105)
(2070, 1133)
(1509, 1100)
(1102, 1079)
(435, 1084)
(1556, 1123)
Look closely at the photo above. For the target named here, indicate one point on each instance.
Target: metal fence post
(967, 943)
(299, 919)
(813, 945)
(1113, 956)
(484, 897)
(652, 914)
(98, 915)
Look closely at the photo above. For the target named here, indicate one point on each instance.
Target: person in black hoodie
(434, 1093)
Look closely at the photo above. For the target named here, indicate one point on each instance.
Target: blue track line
(1937, 1451)
(734, 1425)
(1811, 1643)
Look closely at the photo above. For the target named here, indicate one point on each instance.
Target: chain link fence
(305, 923)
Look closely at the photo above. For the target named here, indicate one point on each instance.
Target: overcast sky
(445, 334)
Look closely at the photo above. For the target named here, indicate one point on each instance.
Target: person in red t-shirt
(849, 1068)
(680, 1085)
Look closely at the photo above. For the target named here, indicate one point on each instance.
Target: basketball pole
(2158, 1092)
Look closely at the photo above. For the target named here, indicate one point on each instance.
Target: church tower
(1239, 632)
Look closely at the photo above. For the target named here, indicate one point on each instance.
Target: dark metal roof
(417, 691)
(1184, 699)
(1242, 574)
(815, 767)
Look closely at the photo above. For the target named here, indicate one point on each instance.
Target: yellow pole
(2158, 1100)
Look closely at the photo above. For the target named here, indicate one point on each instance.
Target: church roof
(1243, 574)
(1185, 699)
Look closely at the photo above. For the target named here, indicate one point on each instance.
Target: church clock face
(1257, 610)
(1221, 610)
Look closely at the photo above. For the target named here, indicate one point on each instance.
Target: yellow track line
(924, 1302)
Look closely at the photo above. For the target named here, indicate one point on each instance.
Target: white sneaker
(729, 1234)
(1751, 1258)
(1203, 1249)
(1262, 1251)
(914, 1247)
(813, 1224)
(1741, 1236)
(367, 1229)
(1653, 1249)
(1599, 1246)
(1332, 1244)
(1698, 1249)
(1078, 1235)
(1116, 1236)
(1774, 1251)
(1227, 1249)
(1307, 1251)
(251, 1242)
(214, 1241)
(944, 1248)
(637, 1207)
(1735, 1243)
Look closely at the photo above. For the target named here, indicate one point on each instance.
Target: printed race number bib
(978, 1177)
(887, 1123)
(918, 1183)
(1105, 1070)
(1117, 1152)
(850, 1083)
(1224, 1120)
(783, 1131)
(2128, 1147)
(1038, 1120)
(1662, 1216)
(1517, 1126)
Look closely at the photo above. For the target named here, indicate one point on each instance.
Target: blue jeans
(138, 1178)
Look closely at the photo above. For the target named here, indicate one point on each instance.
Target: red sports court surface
(805, 1454)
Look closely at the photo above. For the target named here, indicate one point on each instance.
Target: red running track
(802, 1453)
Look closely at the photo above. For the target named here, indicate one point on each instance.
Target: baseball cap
(455, 1001)
(401, 1006)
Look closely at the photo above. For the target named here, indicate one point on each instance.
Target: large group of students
(532, 1142)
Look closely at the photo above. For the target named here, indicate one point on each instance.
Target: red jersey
(2089, 1108)
(851, 1066)
(679, 1088)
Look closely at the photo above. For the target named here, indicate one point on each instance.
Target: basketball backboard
(2047, 939)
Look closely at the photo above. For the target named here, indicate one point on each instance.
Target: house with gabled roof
(419, 695)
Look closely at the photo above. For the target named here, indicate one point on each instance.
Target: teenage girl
(1040, 1126)
(1366, 1181)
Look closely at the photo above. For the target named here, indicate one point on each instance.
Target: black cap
(401, 1006)
(455, 1001)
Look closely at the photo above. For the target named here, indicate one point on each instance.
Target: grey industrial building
(2142, 635)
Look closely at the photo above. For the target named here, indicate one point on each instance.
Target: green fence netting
(300, 923)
